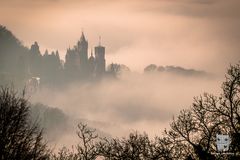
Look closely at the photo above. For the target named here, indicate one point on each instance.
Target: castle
(22, 65)
(78, 62)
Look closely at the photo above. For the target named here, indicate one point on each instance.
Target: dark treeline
(153, 68)
(192, 134)
(19, 63)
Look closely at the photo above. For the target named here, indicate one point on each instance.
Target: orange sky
(200, 34)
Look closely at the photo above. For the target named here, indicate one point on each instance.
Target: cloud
(134, 102)
(137, 112)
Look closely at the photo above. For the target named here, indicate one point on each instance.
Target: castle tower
(100, 59)
(71, 61)
(82, 49)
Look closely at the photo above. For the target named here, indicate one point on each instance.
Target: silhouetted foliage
(51, 119)
(150, 68)
(13, 58)
(176, 70)
(196, 128)
(116, 69)
(65, 154)
(136, 146)
(86, 150)
(19, 137)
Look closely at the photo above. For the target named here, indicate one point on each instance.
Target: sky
(199, 34)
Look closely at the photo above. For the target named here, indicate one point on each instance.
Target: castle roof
(91, 58)
(83, 39)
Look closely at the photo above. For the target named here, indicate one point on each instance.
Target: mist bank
(143, 102)
(59, 128)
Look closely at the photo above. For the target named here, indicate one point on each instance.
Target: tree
(230, 103)
(196, 128)
(117, 69)
(87, 149)
(19, 138)
(135, 147)
(13, 58)
(150, 68)
(64, 154)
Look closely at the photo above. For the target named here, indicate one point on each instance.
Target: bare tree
(117, 69)
(87, 149)
(19, 138)
(64, 154)
(230, 104)
(135, 147)
(226, 108)
(196, 128)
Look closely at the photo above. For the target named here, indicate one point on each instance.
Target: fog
(142, 102)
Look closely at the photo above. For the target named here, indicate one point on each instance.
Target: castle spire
(91, 58)
(82, 37)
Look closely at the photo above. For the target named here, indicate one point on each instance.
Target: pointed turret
(82, 50)
(91, 64)
(46, 53)
(57, 55)
(91, 58)
(35, 49)
(83, 39)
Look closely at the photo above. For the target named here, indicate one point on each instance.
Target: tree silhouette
(13, 58)
(19, 137)
(136, 146)
(116, 69)
(196, 128)
(87, 149)
(150, 68)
